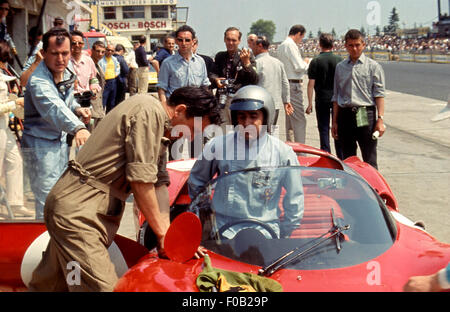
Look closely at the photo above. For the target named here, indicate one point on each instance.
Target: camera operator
(235, 68)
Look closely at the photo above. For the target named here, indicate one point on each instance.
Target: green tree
(394, 19)
(363, 31)
(333, 33)
(263, 28)
(377, 31)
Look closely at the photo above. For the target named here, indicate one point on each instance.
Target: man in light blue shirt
(182, 69)
(50, 114)
(254, 195)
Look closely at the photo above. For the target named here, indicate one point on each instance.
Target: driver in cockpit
(256, 194)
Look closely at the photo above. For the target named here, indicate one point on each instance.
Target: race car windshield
(259, 214)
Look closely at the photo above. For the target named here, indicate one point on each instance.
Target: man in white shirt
(296, 67)
(130, 58)
(272, 76)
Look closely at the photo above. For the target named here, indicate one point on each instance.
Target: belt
(87, 178)
(296, 80)
(355, 108)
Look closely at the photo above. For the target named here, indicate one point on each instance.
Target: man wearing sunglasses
(50, 114)
(182, 69)
(111, 68)
(83, 65)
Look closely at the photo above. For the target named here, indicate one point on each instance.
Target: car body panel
(387, 272)
(413, 251)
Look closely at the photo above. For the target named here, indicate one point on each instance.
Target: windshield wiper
(336, 226)
(336, 230)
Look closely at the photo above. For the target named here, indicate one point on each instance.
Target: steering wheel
(254, 221)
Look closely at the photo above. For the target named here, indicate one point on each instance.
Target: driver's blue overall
(260, 188)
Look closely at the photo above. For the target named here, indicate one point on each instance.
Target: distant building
(133, 18)
(24, 14)
(413, 32)
(442, 27)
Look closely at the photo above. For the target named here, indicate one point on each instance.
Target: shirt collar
(362, 59)
(179, 57)
(260, 55)
(82, 59)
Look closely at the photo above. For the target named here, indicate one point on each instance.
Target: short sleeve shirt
(322, 70)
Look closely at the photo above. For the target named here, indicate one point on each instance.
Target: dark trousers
(109, 94)
(324, 112)
(350, 135)
(121, 90)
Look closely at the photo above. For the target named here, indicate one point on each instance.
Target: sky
(210, 18)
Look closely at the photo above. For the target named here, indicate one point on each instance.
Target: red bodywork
(90, 37)
(387, 272)
(414, 251)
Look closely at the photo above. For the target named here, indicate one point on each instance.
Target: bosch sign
(140, 25)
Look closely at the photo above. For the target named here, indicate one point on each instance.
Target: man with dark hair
(289, 54)
(58, 22)
(142, 62)
(83, 65)
(236, 65)
(125, 155)
(50, 114)
(182, 69)
(358, 100)
(122, 79)
(163, 53)
(272, 76)
(97, 53)
(321, 79)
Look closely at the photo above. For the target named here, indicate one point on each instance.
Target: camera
(84, 99)
(226, 91)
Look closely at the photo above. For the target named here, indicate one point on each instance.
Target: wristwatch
(380, 117)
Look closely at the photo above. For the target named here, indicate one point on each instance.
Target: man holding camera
(87, 85)
(235, 68)
(83, 66)
(50, 114)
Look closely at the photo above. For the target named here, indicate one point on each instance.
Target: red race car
(346, 234)
(351, 236)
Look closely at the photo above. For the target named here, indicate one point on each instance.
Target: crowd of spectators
(389, 43)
